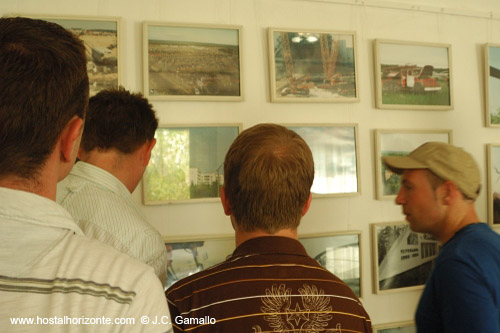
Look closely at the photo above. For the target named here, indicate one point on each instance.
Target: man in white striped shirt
(52, 277)
(115, 150)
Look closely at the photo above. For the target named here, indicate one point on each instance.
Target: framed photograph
(494, 184)
(335, 152)
(400, 327)
(412, 75)
(187, 163)
(192, 62)
(492, 84)
(399, 143)
(402, 259)
(189, 256)
(312, 66)
(339, 253)
(101, 37)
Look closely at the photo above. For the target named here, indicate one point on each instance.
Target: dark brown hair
(268, 174)
(43, 84)
(118, 119)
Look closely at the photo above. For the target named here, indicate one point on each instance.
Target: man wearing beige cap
(440, 183)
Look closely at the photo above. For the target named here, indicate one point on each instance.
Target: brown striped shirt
(269, 284)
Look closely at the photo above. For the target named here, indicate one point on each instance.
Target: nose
(399, 198)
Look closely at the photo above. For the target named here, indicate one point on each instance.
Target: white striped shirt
(104, 209)
(49, 272)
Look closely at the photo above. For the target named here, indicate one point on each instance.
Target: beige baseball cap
(446, 161)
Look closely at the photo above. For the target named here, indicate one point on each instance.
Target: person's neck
(454, 225)
(242, 236)
(113, 162)
(45, 184)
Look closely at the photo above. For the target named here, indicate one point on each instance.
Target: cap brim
(398, 164)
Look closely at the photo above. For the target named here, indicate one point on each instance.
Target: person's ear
(70, 139)
(449, 192)
(147, 148)
(307, 205)
(225, 202)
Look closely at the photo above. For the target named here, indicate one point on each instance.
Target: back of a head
(118, 119)
(43, 84)
(268, 174)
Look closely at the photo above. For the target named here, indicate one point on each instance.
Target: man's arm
(157, 258)
(149, 307)
(174, 312)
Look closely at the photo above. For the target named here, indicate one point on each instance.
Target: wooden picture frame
(493, 172)
(413, 75)
(399, 142)
(338, 252)
(192, 62)
(189, 255)
(397, 327)
(335, 150)
(102, 39)
(402, 259)
(492, 84)
(187, 163)
(312, 66)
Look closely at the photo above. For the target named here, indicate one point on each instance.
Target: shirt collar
(270, 244)
(32, 208)
(100, 177)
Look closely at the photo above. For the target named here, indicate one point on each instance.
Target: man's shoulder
(254, 269)
(474, 241)
(104, 256)
(86, 200)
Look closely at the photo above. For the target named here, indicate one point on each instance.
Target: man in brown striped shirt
(269, 283)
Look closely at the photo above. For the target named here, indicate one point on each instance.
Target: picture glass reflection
(335, 160)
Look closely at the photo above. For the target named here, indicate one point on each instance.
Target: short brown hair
(268, 174)
(43, 84)
(118, 119)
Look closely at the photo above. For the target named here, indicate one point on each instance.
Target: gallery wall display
(192, 62)
(494, 184)
(413, 75)
(339, 253)
(189, 256)
(399, 327)
(394, 142)
(312, 66)
(187, 163)
(101, 36)
(335, 153)
(492, 84)
(402, 259)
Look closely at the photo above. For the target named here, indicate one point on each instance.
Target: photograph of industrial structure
(192, 61)
(413, 75)
(338, 253)
(492, 63)
(494, 184)
(400, 143)
(191, 256)
(187, 163)
(403, 258)
(312, 66)
(399, 327)
(100, 38)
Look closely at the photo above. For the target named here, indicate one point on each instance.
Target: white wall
(466, 25)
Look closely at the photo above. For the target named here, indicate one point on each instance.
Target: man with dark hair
(269, 283)
(440, 183)
(115, 150)
(52, 278)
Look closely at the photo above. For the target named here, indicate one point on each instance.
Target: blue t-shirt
(463, 291)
